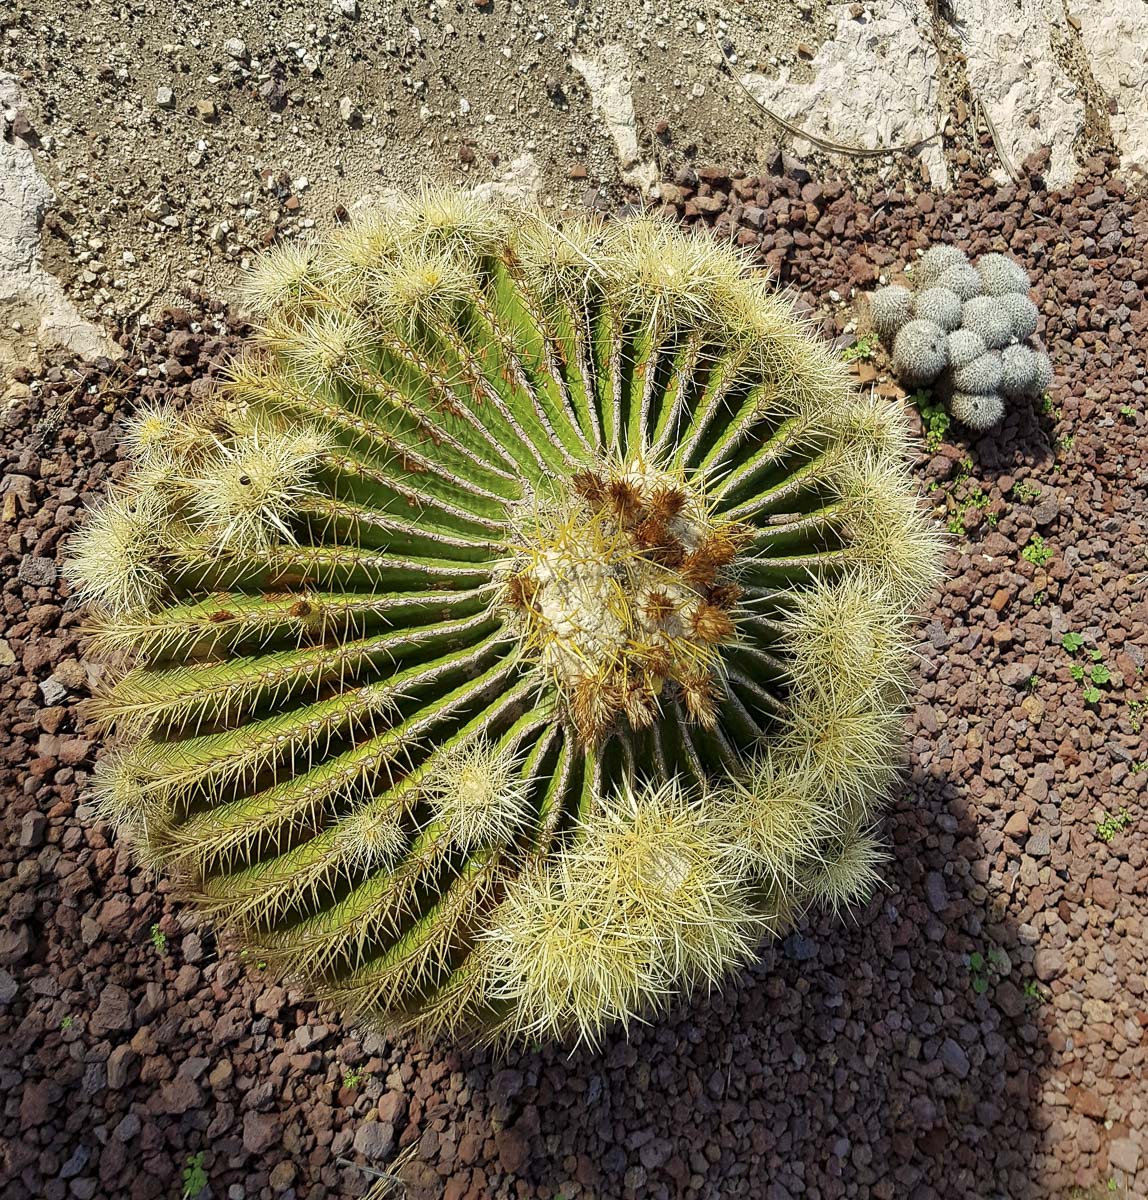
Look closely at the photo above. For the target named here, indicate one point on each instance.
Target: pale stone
(608, 76)
(520, 183)
(28, 294)
(1014, 74)
(875, 83)
(1114, 34)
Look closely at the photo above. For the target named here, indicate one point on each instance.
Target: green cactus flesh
(519, 636)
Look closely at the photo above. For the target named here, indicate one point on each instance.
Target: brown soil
(977, 1031)
(281, 114)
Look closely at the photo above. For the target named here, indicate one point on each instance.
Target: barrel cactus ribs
(519, 637)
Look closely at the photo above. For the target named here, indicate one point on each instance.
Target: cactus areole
(519, 637)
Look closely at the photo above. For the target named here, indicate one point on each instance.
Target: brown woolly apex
(520, 635)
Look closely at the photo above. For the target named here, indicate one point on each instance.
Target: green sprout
(935, 418)
(1110, 824)
(1024, 492)
(976, 500)
(983, 968)
(1037, 552)
(863, 348)
(194, 1176)
(1034, 992)
(159, 939)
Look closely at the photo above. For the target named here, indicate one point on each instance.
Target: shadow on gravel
(894, 1057)
(868, 1059)
(1026, 437)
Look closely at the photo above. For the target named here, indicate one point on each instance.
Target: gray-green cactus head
(934, 263)
(1020, 312)
(980, 411)
(962, 280)
(520, 636)
(1018, 370)
(1043, 371)
(939, 305)
(920, 351)
(963, 346)
(986, 318)
(980, 376)
(1001, 275)
(888, 309)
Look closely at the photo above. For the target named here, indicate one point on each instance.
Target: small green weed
(935, 419)
(66, 1023)
(984, 968)
(353, 1077)
(863, 347)
(1094, 676)
(1128, 412)
(1034, 992)
(159, 939)
(1100, 1190)
(1039, 599)
(978, 500)
(1037, 551)
(1135, 714)
(1024, 492)
(194, 1176)
(1111, 824)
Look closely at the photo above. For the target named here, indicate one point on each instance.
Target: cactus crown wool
(520, 636)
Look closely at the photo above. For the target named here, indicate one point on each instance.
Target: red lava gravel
(978, 1031)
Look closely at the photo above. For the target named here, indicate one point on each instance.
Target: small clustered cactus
(520, 636)
(968, 329)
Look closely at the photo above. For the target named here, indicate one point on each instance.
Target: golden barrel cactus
(520, 636)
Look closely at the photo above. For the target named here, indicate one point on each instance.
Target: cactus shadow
(861, 1056)
(1025, 438)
